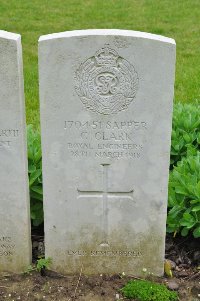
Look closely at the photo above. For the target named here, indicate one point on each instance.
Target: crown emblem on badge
(106, 82)
(106, 56)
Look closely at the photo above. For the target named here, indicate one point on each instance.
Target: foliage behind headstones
(184, 183)
(185, 131)
(184, 197)
(35, 175)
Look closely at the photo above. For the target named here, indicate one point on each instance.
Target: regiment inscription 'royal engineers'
(106, 83)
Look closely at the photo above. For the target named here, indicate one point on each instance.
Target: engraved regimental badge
(106, 83)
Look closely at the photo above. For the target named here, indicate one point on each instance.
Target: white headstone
(15, 246)
(106, 109)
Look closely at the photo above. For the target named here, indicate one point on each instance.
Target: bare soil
(183, 254)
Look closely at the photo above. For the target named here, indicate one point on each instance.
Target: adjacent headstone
(106, 109)
(15, 246)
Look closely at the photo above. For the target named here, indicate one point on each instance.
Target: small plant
(35, 175)
(43, 264)
(144, 290)
(29, 269)
(184, 197)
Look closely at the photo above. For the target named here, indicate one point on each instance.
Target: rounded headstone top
(111, 32)
(9, 35)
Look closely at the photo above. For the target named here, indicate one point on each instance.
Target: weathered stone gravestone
(15, 246)
(106, 109)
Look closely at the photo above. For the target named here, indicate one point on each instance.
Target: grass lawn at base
(177, 19)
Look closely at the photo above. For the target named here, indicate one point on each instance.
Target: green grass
(178, 19)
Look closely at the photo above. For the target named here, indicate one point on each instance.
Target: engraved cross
(105, 194)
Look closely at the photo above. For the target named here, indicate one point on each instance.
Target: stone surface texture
(106, 108)
(15, 245)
